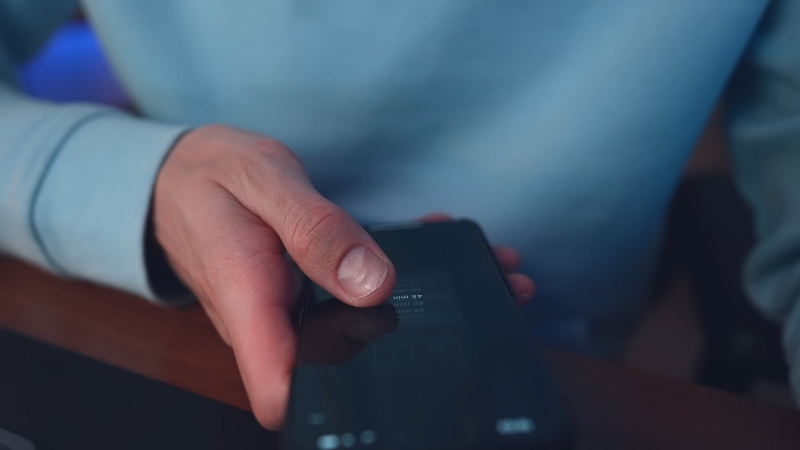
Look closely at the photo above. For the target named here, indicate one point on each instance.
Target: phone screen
(446, 362)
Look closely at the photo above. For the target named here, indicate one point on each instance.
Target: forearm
(75, 188)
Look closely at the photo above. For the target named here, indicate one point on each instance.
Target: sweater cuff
(92, 210)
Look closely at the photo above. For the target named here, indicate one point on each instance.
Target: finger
(324, 339)
(523, 287)
(265, 346)
(371, 323)
(211, 312)
(336, 252)
(249, 282)
(508, 258)
(436, 217)
(328, 245)
(334, 332)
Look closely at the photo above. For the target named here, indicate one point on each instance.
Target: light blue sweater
(562, 126)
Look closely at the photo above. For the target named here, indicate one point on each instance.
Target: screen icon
(328, 442)
(368, 437)
(348, 440)
(518, 425)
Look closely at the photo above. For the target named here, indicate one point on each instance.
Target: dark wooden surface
(614, 407)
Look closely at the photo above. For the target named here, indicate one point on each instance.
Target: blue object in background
(72, 67)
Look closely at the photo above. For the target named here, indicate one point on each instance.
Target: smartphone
(448, 362)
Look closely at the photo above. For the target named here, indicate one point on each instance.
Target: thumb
(336, 252)
(326, 243)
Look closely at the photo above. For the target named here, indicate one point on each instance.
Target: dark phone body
(450, 365)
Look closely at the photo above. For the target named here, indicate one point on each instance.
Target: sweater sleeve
(764, 127)
(75, 179)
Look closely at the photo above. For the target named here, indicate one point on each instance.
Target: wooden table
(615, 408)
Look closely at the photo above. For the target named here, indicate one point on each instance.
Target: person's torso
(562, 126)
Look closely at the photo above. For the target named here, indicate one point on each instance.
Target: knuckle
(275, 152)
(315, 232)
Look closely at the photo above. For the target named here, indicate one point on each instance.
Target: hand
(228, 206)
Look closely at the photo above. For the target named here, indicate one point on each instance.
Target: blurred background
(699, 325)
